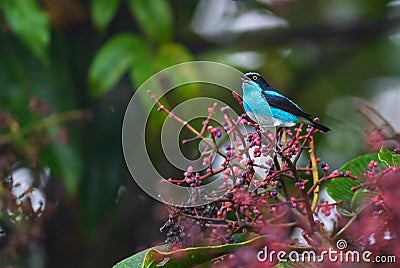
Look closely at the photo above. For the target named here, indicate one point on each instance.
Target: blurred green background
(79, 62)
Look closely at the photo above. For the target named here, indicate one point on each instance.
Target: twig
(315, 176)
(161, 107)
(304, 194)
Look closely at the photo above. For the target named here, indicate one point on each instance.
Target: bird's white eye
(254, 77)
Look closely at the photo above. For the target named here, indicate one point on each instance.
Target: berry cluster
(271, 185)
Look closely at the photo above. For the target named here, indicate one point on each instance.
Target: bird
(268, 107)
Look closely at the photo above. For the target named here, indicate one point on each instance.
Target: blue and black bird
(280, 111)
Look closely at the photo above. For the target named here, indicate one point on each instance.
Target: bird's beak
(245, 79)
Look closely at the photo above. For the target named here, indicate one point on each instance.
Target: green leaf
(340, 188)
(390, 158)
(136, 260)
(172, 53)
(188, 257)
(142, 69)
(102, 12)
(64, 160)
(361, 199)
(69, 165)
(284, 265)
(147, 64)
(113, 60)
(154, 17)
(29, 23)
(243, 237)
(344, 212)
(359, 165)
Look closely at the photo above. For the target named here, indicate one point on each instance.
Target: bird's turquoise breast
(256, 106)
(259, 111)
(254, 102)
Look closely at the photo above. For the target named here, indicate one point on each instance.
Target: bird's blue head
(254, 80)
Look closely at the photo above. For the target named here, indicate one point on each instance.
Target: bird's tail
(319, 126)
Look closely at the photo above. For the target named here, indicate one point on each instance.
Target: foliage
(23, 16)
(186, 257)
(24, 199)
(342, 189)
(120, 52)
(391, 159)
(154, 18)
(102, 12)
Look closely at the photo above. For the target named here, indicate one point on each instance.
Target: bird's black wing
(277, 100)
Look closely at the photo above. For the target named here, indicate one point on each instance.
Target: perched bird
(281, 112)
